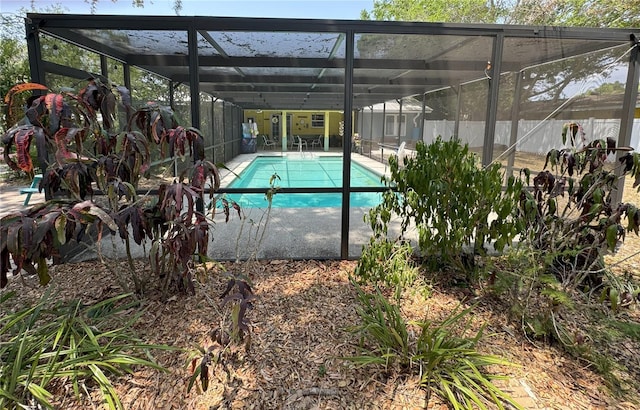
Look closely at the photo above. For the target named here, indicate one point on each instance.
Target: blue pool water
(294, 172)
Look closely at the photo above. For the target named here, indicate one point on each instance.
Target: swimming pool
(296, 172)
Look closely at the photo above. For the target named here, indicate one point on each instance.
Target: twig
(317, 391)
(312, 391)
(84, 387)
(624, 259)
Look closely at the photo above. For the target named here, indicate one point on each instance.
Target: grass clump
(48, 343)
(447, 363)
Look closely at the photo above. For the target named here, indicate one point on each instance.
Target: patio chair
(316, 142)
(33, 189)
(399, 152)
(298, 142)
(268, 142)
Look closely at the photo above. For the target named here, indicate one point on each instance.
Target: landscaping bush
(80, 149)
(449, 198)
(570, 216)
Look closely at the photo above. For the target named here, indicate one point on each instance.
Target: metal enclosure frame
(342, 79)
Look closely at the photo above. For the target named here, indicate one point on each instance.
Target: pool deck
(291, 233)
(12, 201)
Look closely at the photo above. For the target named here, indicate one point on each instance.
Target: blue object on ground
(33, 189)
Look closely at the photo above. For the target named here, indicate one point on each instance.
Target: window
(391, 125)
(317, 120)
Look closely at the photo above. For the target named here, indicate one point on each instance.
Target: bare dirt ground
(299, 335)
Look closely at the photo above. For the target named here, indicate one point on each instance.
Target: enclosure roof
(260, 63)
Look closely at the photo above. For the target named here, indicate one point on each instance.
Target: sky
(321, 9)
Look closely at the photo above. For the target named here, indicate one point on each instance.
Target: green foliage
(448, 197)
(447, 362)
(629, 329)
(14, 66)
(46, 343)
(463, 11)
(536, 298)
(584, 13)
(551, 310)
(386, 263)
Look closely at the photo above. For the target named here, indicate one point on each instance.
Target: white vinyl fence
(533, 136)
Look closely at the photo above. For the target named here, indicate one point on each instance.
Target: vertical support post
(346, 148)
(628, 110)
(104, 66)
(194, 88)
(172, 103)
(384, 129)
(326, 130)
(399, 121)
(371, 132)
(126, 78)
(515, 114)
(422, 117)
(35, 53)
(126, 72)
(224, 132)
(194, 77)
(37, 76)
(283, 130)
(456, 125)
(213, 129)
(492, 106)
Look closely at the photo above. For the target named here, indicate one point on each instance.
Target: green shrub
(387, 263)
(449, 197)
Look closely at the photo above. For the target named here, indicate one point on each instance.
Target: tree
(14, 66)
(459, 11)
(581, 13)
(14, 62)
(93, 4)
(608, 88)
(549, 82)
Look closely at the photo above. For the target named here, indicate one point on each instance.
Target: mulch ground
(299, 333)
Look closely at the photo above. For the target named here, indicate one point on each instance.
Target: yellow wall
(300, 121)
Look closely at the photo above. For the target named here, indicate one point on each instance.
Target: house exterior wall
(301, 122)
(381, 130)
